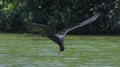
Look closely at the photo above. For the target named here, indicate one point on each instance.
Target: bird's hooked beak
(61, 49)
(59, 52)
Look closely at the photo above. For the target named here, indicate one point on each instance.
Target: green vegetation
(20, 50)
(59, 14)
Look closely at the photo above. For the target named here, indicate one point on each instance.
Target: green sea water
(20, 50)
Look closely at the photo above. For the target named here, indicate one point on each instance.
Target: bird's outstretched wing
(43, 30)
(66, 30)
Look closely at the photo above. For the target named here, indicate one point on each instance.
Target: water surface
(19, 50)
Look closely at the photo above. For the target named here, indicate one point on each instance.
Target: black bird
(58, 37)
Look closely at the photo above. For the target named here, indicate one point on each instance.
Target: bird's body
(43, 30)
(58, 37)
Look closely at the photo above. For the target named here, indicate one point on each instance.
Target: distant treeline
(59, 14)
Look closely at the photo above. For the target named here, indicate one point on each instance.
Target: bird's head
(62, 49)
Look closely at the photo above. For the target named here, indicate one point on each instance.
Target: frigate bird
(58, 37)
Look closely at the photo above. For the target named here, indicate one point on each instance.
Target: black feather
(58, 37)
